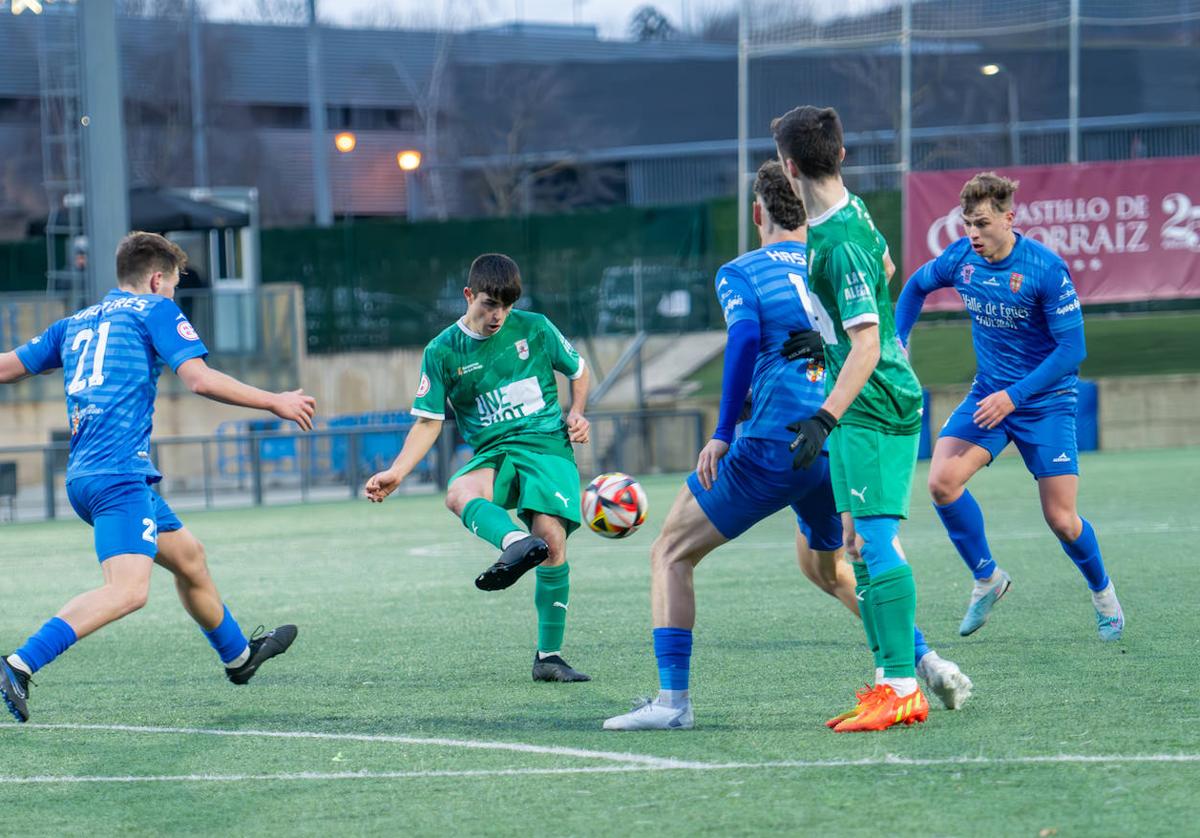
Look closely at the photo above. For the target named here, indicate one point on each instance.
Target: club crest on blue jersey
(967, 272)
(1014, 281)
(815, 371)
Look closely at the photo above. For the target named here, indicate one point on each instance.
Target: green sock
(894, 597)
(488, 521)
(862, 592)
(551, 596)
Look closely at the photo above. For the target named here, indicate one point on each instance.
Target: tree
(649, 24)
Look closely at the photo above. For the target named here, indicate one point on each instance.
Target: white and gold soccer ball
(614, 505)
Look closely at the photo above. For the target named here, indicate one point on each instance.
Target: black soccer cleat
(262, 649)
(520, 557)
(14, 686)
(555, 668)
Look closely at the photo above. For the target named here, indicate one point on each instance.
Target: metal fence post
(48, 457)
(352, 449)
(256, 476)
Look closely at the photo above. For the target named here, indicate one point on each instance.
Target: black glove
(811, 434)
(804, 344)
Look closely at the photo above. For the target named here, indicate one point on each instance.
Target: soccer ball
(614, 505)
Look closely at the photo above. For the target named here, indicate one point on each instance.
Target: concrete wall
(1153, 411)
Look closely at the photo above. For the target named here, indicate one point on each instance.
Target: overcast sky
(611, 16)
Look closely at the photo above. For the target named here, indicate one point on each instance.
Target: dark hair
(812, 137)
(988, 186)
(777, 197)
(140, 254)
(497, 276)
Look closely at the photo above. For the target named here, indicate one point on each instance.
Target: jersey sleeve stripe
(579, 372)
(868, 317)
(425, 414)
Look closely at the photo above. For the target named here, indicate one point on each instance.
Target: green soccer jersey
(846, 277)
(500, 387)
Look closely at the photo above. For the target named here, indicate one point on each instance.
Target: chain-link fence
(946, 84)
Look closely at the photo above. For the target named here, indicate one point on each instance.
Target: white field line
(671, 765)
(518, 747)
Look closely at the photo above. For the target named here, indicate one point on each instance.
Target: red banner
(1128, 231)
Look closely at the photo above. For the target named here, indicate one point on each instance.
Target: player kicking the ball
(112, 354)
(1024, 391)
(739, 483)
(496, 368)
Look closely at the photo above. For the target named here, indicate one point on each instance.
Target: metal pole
(105, 185)
(743, 117)
(1073, 86)
(49, 455)
(905, 117)
(199, 140)
(1014, 139)
(256, 475)
(322, 207)
(906, 87)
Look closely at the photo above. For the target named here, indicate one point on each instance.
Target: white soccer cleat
(650, 715)
(945, 679)
(984, 596)
(1110, 619)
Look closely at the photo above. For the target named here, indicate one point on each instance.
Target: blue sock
(878, 551)
(963, 521)
(1085, 552)
(227, 638)
(50, 641)
(922, 649)
(673, 648)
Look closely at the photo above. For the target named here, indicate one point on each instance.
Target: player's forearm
(11, 368)
(1067, 356)
(911, 301)
(219, 387)
(579, 391)
(420, 439)
(741, 349)
(856, 372)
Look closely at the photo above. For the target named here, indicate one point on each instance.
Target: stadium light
(1014, 139)
(409, 160)
(345, 142)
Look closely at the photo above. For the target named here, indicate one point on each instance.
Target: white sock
(543, 655)
(672, 698)
(240, 659)
(879, 675)
(512, 538)
(14, 660)
(902, 686)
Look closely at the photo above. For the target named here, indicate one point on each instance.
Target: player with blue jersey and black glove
(112, 354)
(1027, 328)
(739, 482)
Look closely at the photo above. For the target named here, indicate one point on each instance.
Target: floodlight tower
(105, 186)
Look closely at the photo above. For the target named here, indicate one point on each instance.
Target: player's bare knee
(1063, 523)
(130, 597)
(943, 488)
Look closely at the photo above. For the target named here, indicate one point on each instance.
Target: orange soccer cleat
(886, 709)
(863, 697)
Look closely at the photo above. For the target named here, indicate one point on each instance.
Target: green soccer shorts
(871, 470)
(529, 479)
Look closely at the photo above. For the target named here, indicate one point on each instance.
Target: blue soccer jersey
(111, 355)
(768, 286)
(1021, 309)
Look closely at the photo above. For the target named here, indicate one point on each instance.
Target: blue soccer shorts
(1045, 436)
(125, 513)
(755, 479)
